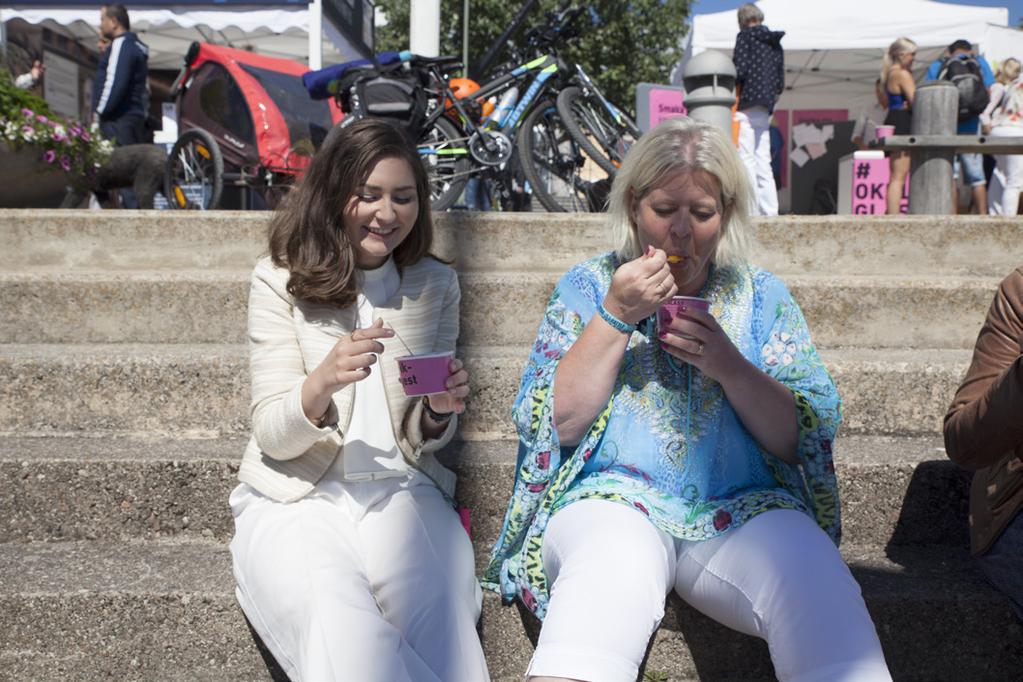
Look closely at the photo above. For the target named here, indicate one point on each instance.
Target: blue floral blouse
(668, 443)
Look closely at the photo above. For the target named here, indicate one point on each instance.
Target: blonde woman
(899, 87)
(675, 458)
(1004, 118)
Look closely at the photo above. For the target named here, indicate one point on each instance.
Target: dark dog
(138, 166)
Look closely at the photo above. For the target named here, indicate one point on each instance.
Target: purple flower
(86, 136)
(65, 162)
(27, 130)
(42, 119)
(58, 137)
(50, 156)
(28, 113)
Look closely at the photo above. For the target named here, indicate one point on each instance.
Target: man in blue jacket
(119, 95)
(971, 165)
(760, 72)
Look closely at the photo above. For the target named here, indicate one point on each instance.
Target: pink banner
(870, 187)
(665, 104)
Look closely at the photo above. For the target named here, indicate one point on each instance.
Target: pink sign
(870, 187)
(665, 104)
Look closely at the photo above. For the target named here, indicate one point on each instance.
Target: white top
(995, 95)
(1006, 106)
(370, 449)
(287, 454)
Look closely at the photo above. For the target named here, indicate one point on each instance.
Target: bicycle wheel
(445, 152)
(604, 137)
(194, 176)
(560, 174)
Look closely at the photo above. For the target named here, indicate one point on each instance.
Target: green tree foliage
(622, 42)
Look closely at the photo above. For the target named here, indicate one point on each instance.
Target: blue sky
(1015, 7)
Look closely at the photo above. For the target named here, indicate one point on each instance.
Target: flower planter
(26, 181)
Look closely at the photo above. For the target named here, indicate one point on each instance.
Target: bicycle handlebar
(560, 27)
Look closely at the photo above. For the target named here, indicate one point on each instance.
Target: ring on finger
(699, 347)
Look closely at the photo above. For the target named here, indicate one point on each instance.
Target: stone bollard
(930, 179)
(709, 80)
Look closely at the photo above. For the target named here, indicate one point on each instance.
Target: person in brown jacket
(984, 434)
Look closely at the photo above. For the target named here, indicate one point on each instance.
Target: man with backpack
(972, 76)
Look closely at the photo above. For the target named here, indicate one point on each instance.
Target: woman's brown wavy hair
(307, 235)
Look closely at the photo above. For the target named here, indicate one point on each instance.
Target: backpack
(965, 74)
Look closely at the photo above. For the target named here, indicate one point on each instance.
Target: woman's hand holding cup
(639, 286)
(694, 336)
(347, 362)
(457, 385)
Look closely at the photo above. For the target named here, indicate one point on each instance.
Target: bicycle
(523, 137)
(499, 146)
(562, 174)
(591, 118)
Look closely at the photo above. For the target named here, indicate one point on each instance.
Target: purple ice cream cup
(672, 308)
(424, 374)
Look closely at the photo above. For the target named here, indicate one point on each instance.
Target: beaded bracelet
(621, 326)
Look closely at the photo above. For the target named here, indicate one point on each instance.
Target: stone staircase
(124, 412)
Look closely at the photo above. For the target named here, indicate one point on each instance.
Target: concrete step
(202, 390)
(165, 240)
(143, 611)
(210, 306)
(166, 610)
(195, 306)
(895, 491)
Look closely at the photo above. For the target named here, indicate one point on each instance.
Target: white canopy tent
(288, 31)
(833, 48)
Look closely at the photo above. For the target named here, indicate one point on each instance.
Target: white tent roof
(825, 24)
(1002, 42)
(833, 48)
(275, 32)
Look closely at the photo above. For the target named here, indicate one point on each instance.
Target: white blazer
(287, 454)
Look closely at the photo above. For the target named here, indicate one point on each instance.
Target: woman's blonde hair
(676, 145)
(1009, 71)
(898, 48)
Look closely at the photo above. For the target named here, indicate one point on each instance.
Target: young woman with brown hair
(350, 560)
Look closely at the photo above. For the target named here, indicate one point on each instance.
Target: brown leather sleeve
(985, 419)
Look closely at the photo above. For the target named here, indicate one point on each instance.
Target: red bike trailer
(245, 120)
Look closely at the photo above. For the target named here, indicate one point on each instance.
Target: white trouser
(755, 151)
(777, 577)
(375, 585)
(1010, 167)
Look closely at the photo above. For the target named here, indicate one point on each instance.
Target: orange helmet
(465, 87)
